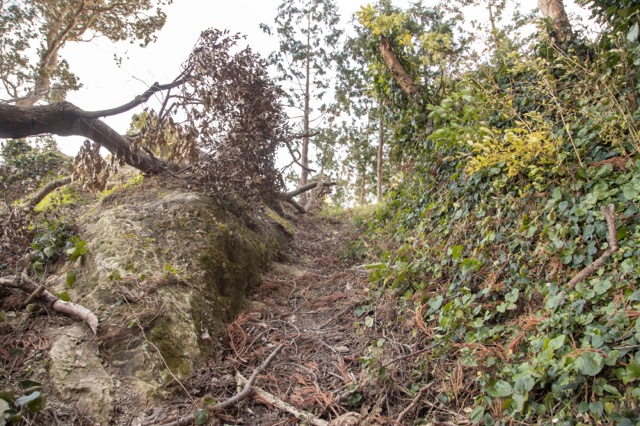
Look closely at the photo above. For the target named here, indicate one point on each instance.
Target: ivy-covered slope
(500, 211)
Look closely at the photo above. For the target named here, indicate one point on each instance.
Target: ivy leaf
(512, 296)
(611, 389)
(7, 394)
(631, 190)
(632, 35)
(71, 277)
(436, 302)
(501, 389)
(633, 369)
(49, 251)
(368, 321)
(456, 252)
(38, 266)
(34, 401)
(556, 343)
(64, 296)
(30, 386)
(201, 416)
(602, 286)
(476, 415)
(590, 363)
(627, 266)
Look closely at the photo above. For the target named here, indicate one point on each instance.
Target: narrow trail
(307, 303)
(349, 357)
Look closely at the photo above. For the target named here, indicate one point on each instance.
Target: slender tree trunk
(554, 9)
(56, 37)
(396, 69)
(361, 186)
(380, 151)
(494, 31)
(304, 177)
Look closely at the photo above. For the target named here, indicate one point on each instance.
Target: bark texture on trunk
(380, 154)
(304, 157)
(66, 119)
(397, 70)
(554, 9)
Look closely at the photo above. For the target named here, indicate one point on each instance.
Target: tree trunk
(380, 152)
(554, 9)
(304, 177)
(492, 22)
(396, 69)
(56, 37)
(66, 119)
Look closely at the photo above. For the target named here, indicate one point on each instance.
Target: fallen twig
(610, 215)
(73, 310)
(248, 387)
(284, 406)
(246, 391)
(412, 354)
(33, 296)
(413, 404)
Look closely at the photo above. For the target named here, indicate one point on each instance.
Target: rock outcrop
(165, 269)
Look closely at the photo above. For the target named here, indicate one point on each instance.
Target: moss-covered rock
(173, 264)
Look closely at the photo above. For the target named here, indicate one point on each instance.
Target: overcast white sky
(106, 85)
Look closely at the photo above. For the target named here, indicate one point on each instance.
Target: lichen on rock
(77, 374)
(166, 266)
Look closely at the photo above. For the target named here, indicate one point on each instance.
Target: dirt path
(346, 360)
(307, 303)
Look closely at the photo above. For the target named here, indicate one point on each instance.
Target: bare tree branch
(140, 99)
(51, 186)
(37, 291)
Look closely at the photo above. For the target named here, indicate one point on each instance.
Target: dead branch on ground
(288, 196)
(282, 405)
(413, 404)
(246, 391)
(38, 291)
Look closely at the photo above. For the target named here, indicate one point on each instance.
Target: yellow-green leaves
(518, 148)
(382, 24)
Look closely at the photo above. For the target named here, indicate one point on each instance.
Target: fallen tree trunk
(66, 119)
(73, 310)
(288, 196)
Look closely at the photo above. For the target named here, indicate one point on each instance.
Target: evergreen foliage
(502, 209)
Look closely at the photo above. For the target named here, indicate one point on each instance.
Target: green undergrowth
(483, 235)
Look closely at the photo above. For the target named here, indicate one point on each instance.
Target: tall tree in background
(360, 102)
(554, 9)
(308, 34)
(49, 25)
(397, 58)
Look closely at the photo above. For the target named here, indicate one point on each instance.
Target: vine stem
(610, 215)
